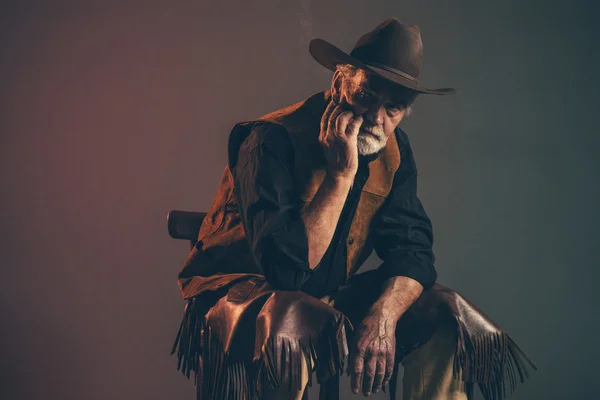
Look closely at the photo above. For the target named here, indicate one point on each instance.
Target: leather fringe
(224, 378)
(188, 343)
(196, 344)
(492, 360)
(280, 358)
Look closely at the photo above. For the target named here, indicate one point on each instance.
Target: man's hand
(338, 138)
(373, 349)
(371, 361)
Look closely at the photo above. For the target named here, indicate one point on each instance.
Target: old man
(308, 193)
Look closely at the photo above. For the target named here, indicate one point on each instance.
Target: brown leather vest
(222, 245)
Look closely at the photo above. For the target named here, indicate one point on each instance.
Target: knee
(302, 330)
(296, 315)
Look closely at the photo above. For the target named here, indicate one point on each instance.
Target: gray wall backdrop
(113, 113)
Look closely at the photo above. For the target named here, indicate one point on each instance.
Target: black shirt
(270, 210)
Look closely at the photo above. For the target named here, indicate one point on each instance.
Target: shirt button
(350, 240)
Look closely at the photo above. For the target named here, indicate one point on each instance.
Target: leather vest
(222, 246)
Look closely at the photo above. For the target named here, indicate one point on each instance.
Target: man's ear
(336, 85)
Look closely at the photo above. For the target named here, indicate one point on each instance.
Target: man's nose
(375, 115)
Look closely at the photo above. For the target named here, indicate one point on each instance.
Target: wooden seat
(185, 224)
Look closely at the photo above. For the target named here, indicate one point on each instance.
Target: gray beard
(369, 144)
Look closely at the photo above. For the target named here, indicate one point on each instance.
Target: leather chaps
(245, 335)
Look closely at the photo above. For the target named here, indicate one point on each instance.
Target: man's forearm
(322, 214)
(398, 294)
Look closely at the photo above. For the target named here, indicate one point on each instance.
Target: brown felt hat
(393, 50)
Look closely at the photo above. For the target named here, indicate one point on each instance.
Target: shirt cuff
(410, 266)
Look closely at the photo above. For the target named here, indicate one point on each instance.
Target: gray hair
(349, 71)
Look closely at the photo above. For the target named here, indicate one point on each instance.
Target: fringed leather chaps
(252, 335)
(484, 353)
(245, 335)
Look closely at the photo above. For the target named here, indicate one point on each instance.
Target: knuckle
(360, 347)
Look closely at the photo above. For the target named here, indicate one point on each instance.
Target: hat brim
(330, 56)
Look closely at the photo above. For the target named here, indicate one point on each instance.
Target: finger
(328, 110)
(389, 365)
(356, 372)
(380, 373)
(327, 132)
(369, 373)
(342, 122)
(354, 126)
(325, 118)
(332, 119)
(334, 116)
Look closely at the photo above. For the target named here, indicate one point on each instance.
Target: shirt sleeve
(269, 208)
(403, 232)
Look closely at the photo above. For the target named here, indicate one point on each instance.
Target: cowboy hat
(393, 51)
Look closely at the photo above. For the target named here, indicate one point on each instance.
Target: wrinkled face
(374, 98)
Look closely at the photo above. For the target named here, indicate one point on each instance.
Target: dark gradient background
(113, 113)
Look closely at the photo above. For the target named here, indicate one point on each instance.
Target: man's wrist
(339, 180)
(398, 294)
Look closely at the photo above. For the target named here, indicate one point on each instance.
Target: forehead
(374, 84)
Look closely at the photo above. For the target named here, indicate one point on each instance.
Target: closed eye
(393, 107)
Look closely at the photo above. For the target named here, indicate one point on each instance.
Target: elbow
(429, 280)
(284, 263)
(278, 284)
(282, 278)
(429, 274)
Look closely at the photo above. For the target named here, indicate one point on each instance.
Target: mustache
(373, 130)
